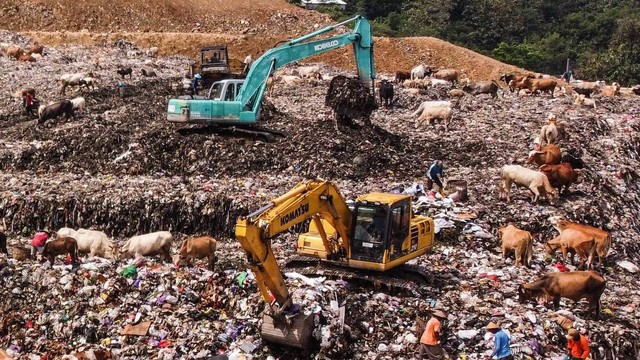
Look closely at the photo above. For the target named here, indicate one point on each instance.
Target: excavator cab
(381, 226)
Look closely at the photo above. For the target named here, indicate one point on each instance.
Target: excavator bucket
(295, 332)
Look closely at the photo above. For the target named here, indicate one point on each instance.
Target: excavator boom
(245, 107)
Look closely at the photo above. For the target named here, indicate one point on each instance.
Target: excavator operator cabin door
(399, 228)
(370, 232)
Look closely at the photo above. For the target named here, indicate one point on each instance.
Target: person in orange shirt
(578, 345)
(430, 347)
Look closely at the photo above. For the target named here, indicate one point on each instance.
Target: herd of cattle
(71, 243)
(423, 77)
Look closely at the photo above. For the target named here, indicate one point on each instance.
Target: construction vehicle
(377, 234)
(215, 65)
(244, 108)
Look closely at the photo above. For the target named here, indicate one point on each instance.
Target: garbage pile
(350, 99)
(122, 168)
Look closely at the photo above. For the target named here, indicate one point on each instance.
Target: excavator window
(369, 240)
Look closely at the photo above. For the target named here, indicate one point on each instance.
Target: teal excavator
(236, 102)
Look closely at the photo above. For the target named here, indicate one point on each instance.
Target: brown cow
(61, 246)
(549, 154)
(451, 75)
(573, 242)
(36, 48)
(603, 238)
(573, 285)
(542, 85)
(518, 240)
(514, 79)
(402, 76)
(26, 58)
(197, 248)
(560, 175)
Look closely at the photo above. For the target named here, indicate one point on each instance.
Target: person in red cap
(39, 239)
(578, 346)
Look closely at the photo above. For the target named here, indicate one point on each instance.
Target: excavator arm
(254, 86)
(245, 108)
(315, 199)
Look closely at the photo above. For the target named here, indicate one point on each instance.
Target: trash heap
(123, 169)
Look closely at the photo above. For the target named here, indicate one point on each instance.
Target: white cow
(92, 242)
(155, 243)
(418, 72)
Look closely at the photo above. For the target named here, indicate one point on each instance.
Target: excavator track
(254, 131)
(404, 280)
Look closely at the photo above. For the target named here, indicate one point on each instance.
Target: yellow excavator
(377, 233)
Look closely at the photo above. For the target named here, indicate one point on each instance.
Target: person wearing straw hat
(502, 350)
(578, 346)
(430, 347)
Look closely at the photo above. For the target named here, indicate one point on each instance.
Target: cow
(447, 74)
(197, 248)
(602, 238)
(148, 245)
(573, 285)
(535, 181)
(420, 72)
(54, 110)
(401, 76)
(560, 175)
(549, 132)
(518, 240)
(386, 93)
(482, 87)
(92, 242)
(542, 85)
(122, 72)
(511, 79)
(549, 154)
(3, 243)
(573, 242)
(61, 246)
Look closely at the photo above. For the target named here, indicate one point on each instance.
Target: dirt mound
(237, 17)
(247, 27)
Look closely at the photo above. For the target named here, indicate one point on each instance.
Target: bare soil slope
(248, 27)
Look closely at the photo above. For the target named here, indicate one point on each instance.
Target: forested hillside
(601, 37)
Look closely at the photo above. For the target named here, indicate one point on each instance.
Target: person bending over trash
(578, 346)
(435, 175)
(430, 347)
(39, 239)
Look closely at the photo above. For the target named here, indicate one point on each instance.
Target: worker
(578, 346)
(434, 175)
(194, 84)
(38, 241)
(430, 347)
(28, 102)
(502, 350)
(121, 88)
(247, 64)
